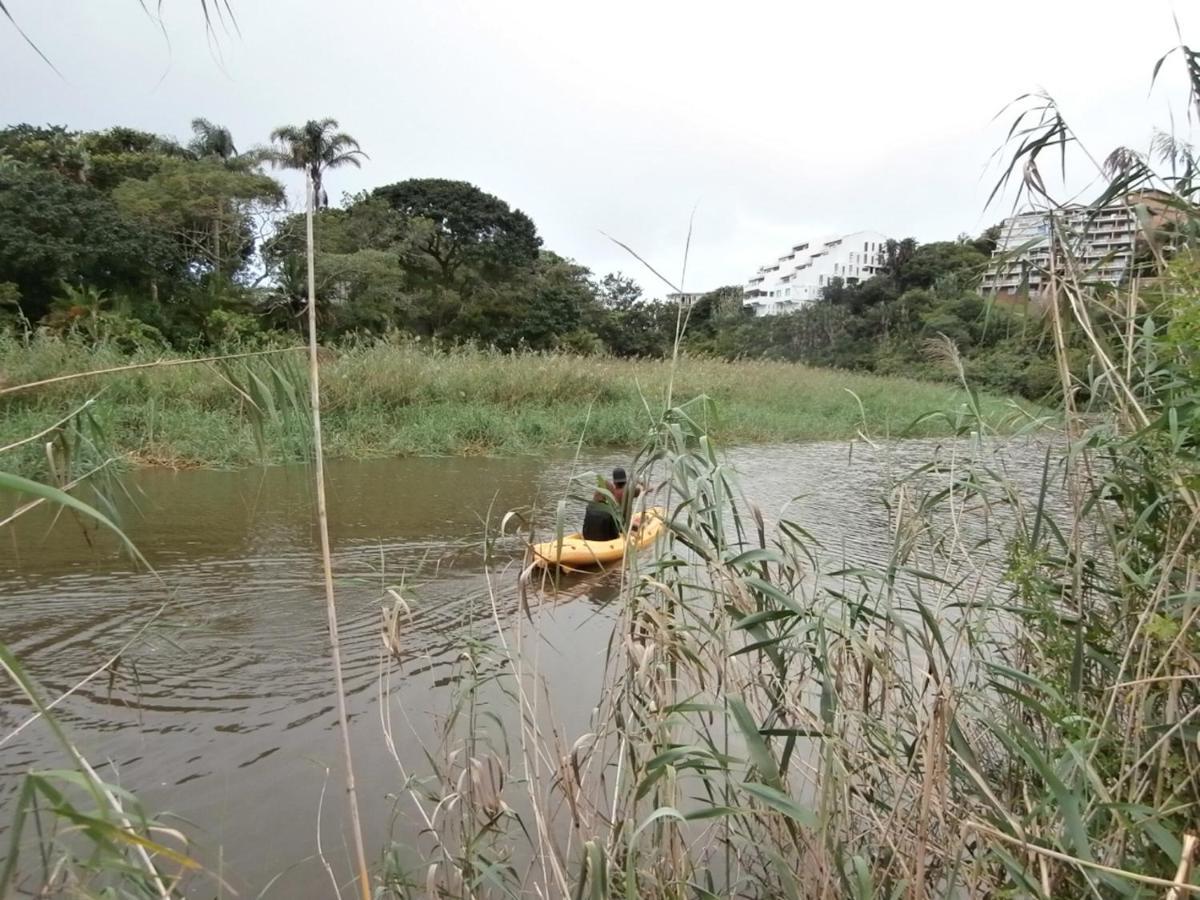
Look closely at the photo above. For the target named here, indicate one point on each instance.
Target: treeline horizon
(135, 238)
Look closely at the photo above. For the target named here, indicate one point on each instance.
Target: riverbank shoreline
(407, 400)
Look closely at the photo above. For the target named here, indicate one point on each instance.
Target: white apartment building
(1102, 244)
(798, 277)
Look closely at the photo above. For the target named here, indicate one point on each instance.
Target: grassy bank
(403, 400)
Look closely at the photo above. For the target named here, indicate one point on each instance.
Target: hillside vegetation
(154, 243)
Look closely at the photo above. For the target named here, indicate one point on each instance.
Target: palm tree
(212, 140)
(314, 147)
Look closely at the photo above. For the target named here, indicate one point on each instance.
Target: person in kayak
(601, 521)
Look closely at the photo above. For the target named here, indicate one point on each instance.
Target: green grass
(407, 400)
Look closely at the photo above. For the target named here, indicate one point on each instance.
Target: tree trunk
(217, 245)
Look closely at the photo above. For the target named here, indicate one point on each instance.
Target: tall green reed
(402, 398)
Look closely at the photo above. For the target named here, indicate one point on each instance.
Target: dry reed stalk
(935, 742)
(95, 673)
(49, 428)
(1184, 872)
(392, 644)
(320, 849)
(1082, 863)
(1060, 343)
(363, 878)
(156, 364)
(123, 819)
(529, 742)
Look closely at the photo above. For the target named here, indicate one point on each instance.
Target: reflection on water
(222, 713)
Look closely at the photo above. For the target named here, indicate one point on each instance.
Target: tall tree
(53, 148)
(460, 236)
(211, 139)
(118, 153)
(618, 291)
(897, 254)
(54, 230)
(214, 213)
(716, 310)
(315, 147)
(926, 264)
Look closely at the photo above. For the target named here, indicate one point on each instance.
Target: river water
(221, 712)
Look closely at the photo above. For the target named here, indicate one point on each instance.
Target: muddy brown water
(222, 714)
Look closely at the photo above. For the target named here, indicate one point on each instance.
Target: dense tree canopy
(168, 230)
(440, 259)
(929, 262)
(459, 235)
(55, 230)
(212, 213)
(121, 153)
(52, 149)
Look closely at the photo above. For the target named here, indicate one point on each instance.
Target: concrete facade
(1099, 245)
(799, 276)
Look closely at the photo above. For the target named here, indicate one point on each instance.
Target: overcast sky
(774, 121)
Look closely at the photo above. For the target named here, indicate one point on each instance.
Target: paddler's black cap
(619, 477)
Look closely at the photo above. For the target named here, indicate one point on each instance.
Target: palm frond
(28, 40)
(1049, 131)
(315, 146)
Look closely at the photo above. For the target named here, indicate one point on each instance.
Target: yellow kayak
(574, 552)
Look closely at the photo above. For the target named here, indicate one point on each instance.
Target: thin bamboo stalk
(314, 388)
